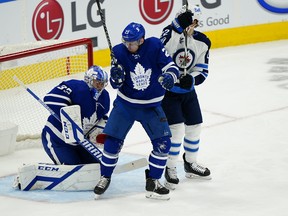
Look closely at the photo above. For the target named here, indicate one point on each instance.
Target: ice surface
(244, 142)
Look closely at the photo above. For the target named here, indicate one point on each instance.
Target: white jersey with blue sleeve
(197, 59)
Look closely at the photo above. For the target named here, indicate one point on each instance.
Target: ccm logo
(47, 168)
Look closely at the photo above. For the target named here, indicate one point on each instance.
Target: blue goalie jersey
(75, 92)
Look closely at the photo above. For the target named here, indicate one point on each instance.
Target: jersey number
(165, 52)
(65, 89)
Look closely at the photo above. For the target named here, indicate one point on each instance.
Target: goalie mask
(97, 79)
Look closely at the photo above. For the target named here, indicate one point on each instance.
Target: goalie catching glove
(96, 136)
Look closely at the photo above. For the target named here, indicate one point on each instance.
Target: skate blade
(194, 176)
(97, 197)
(152, 195)
(170, 186)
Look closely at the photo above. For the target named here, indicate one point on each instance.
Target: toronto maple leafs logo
(89, 122)
(140, 77)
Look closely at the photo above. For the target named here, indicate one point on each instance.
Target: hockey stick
(186, 53)
(90, 147)
(106, 32)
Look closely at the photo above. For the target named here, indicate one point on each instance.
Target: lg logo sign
(48, 20)
(155, 11)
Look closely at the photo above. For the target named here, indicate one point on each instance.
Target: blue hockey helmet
(96, 73)
(133, 32)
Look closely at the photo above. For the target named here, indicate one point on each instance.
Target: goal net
(41, 66)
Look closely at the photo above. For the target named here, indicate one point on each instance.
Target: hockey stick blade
(133, 165)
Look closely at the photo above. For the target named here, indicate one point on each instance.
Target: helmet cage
(96, 78)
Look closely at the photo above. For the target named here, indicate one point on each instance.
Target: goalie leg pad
(58, 177)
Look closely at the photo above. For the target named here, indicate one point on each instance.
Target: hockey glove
(183, 21)
(166, 80)
(186, 81)
(117, 75)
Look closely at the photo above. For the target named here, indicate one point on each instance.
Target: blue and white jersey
(142, 70)
(76, 92)
(197, 59)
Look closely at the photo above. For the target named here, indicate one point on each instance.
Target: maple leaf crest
(89, 122)
(140, 77)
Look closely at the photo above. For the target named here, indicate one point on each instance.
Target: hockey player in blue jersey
(190, 51)
(94, 102)
(139, 64)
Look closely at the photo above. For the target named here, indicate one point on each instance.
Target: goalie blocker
(94, 134)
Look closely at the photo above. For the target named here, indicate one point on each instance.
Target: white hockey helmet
(96, 73)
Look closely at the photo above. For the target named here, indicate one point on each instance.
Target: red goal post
(40, 65)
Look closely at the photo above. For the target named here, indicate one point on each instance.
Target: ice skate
(101, 186)
(154, 189)
(171, 178)
(194, 170)
(16, 183)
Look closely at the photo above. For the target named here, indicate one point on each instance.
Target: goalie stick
(86, 144)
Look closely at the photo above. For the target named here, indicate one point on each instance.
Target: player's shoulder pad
(80, 85)
(202, 37)
(73, 82)
(105, 93)
(153, 42)
(119, 48)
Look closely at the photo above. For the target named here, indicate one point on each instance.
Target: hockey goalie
(65, 177)
(78, 115)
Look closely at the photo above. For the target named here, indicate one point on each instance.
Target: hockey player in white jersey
(138, 66)
(190, 51)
